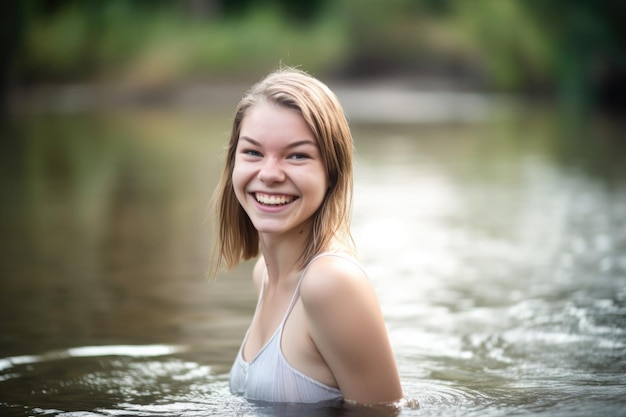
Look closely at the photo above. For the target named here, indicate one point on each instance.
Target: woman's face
(278, 175)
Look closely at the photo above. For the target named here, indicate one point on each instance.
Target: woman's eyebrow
(252, 141)
(291, 145)
(301, 143)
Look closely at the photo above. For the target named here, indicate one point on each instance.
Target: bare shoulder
(332, 276)
(336, 293)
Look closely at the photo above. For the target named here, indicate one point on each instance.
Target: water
(497, 248)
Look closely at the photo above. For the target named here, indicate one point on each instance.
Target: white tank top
(269, 377)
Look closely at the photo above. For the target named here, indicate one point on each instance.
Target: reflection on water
(498, 251)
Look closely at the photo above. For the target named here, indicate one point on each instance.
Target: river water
(497, 247)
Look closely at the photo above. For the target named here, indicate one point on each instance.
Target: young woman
(317, 333)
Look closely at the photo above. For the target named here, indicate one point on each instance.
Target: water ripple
(91, 351)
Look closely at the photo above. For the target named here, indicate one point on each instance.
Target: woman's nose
(271, 171)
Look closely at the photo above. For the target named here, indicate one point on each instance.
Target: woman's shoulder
(331, 276)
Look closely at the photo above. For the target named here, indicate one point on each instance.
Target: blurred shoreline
(390, 100)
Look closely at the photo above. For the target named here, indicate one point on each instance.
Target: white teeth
(273, 200)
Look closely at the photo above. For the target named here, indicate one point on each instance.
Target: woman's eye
(298, 156)
(251, 152)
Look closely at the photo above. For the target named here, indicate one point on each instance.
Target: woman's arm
(347, 326)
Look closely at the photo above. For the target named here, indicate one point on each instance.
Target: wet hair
(238, 239)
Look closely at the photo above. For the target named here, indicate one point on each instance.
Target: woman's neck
(282, 254)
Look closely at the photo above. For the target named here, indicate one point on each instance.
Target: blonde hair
(238, 240)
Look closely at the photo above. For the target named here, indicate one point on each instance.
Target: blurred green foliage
(575, 47)
(162, 42)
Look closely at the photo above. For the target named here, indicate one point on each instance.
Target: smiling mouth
(273, 199)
